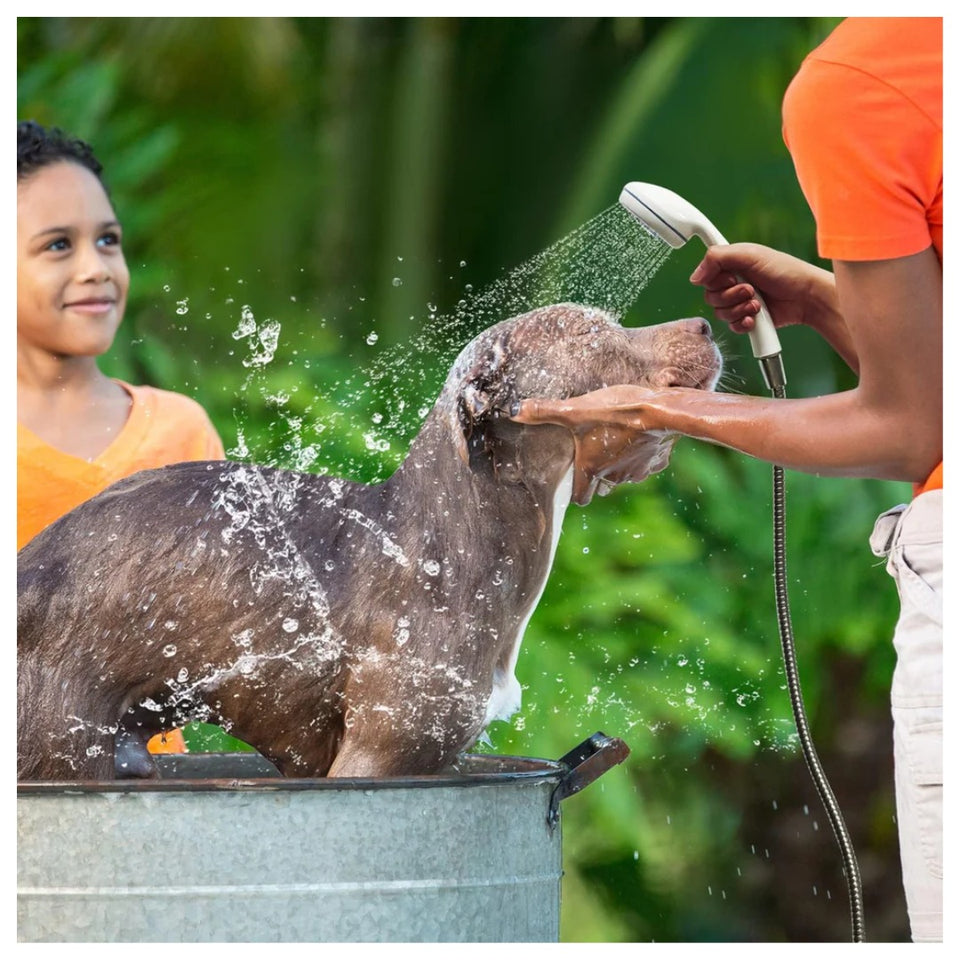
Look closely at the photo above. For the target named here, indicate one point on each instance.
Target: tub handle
(584, 763)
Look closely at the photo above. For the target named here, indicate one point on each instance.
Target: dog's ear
(484, 391)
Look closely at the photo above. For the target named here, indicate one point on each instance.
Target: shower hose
(851, 869)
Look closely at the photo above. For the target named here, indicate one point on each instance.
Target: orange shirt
(863, 120)
(162, 428)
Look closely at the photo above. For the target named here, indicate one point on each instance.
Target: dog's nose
(697, 326)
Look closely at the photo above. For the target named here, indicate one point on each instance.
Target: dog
(341, 629)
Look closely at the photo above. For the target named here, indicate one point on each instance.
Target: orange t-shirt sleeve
(868, 158)
(863, 120)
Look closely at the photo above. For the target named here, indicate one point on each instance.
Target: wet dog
(341, 629)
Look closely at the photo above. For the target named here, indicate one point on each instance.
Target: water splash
(606, 262)
(375, 410)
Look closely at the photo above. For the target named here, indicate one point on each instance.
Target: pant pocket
(918, 572)
(923, 746)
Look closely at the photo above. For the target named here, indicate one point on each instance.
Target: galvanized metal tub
(221, 849)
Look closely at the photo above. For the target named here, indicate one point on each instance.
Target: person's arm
(888, 427)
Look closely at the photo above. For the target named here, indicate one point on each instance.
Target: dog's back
(286, 607)
(154, 592)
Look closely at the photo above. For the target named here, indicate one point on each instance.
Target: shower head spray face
(675, 221)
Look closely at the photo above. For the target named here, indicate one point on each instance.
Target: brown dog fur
(342, 629)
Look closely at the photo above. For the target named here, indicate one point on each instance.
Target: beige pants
(911, 537)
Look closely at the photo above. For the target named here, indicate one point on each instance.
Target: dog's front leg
(385, 742)
(131, 758)
(357, 760)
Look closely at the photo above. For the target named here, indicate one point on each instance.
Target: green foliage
(303, 198)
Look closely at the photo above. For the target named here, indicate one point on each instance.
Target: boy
(78, 431)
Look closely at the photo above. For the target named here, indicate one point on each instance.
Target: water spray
(675, 221)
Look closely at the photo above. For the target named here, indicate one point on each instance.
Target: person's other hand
(616, 436)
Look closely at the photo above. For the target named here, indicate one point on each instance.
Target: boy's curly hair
(39, 146)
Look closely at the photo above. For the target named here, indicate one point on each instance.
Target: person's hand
(617, 437)
(794, 291)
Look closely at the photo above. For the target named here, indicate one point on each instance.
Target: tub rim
(505, 769)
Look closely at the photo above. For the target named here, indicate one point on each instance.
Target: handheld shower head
(668, 216)
(675, 221)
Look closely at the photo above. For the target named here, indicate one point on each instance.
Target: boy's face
(72, 279)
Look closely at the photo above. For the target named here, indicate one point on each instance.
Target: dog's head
(563, 351)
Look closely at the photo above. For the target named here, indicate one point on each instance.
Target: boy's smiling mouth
(91, 305)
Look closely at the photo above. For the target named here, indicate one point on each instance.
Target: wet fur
(342, 629)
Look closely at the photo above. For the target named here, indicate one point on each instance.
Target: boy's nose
(91, 264)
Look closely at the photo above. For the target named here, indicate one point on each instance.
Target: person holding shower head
(862, 120)
(78, 430)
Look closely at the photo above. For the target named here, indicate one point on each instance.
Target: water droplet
(170, 650)
(376, 445)
(397, 282)
(372, 338)
(290, 625)
(247, 325)
(431, 568)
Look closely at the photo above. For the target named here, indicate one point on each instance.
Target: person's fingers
(744, 325)
(729, 296)
(621, 404)
(574, 412)
(740, 318)
(722, 282)
(736, 306)
(724, 263)
(535, 410)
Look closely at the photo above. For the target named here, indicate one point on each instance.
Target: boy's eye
(61, 243)
(110, 239)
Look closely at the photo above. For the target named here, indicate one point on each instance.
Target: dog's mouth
(697, 373)
(599, 468)
(695, 377)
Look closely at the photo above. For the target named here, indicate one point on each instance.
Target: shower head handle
(674, 220)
